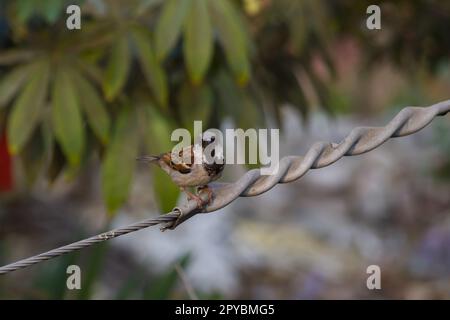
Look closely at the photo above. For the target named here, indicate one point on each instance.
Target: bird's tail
(148, 159)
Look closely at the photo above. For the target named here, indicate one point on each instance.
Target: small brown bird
(188, 173)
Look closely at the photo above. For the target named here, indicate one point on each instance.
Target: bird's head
(212, 149)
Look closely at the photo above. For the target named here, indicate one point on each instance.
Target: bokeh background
(77, 107)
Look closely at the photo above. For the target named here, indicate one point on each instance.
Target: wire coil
(360, 140)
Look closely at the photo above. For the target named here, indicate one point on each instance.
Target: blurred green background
(78, 106)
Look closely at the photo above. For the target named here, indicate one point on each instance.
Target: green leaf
(13, 81)
(91, 272)
(195, 104)
(37, 153)
(157, 128)
(56, 164)
(120, 160)
(66, 117)
(166, 191)
(27, 109)
(145, 5)
(90, 70)
(157, 131)
(250, 115)
(153, 71)
(93, 106)
(117, 69)
(24, 9)
(299, 31)
(51, 9)
(198, 40)
(228, 94)
(232, 37)
(169, 25)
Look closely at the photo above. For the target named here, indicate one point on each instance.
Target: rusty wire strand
(360, 140)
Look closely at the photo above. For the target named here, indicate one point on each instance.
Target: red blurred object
(6, 179)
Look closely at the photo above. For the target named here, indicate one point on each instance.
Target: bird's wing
(182, 166)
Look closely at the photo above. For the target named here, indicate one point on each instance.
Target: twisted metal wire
(360, 140)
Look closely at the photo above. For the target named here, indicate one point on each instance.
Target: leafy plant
(138, 69)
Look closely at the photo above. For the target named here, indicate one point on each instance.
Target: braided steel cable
(360, 140)
(88, 242)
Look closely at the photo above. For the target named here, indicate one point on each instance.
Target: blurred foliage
(138, 69)
(165, 283)
(416, 31)
(442, 139)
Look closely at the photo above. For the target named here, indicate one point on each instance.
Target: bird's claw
(198, 199)
(200, 202)
(208, 190)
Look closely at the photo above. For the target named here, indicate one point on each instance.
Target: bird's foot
(197, 198)
(208, 190)
(200, 202)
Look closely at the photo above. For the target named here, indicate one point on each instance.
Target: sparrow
(186, 173)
